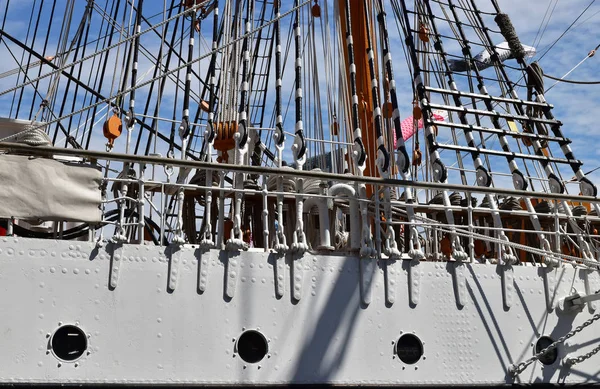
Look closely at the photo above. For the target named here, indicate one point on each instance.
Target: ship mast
(357, 30)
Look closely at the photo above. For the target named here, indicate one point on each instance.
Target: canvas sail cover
(47, 189)
(483, 60)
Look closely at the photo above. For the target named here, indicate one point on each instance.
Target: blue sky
(576, 106)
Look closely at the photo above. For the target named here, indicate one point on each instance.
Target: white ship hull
(172, 318)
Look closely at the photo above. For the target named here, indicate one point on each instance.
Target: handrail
(163, 161)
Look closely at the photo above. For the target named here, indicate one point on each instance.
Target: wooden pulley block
(316, 10)
(388, 110)
(527, 141)
(224, 139)
(112, 129)
(417, 113)
(423, 33)
(417, 157)
(204, 106)
(386, 85)
(335, 128)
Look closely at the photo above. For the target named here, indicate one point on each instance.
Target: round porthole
(252, 346)
(409, 349)
(549, 357)
(68, 343)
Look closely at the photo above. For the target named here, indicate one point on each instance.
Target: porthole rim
(85, 336)
(534, 349)
(397, 341)
(264, 338)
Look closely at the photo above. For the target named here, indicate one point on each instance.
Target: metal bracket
(203, 265)
(508, 289)
(592, 304)
(368, 267)
(174, 256)
(390, 282)
(297, 278)
(280, 275)
(232, 273)
(414, 281)
(115, 264)
(460, 283)
(576, 301)
(550, 288)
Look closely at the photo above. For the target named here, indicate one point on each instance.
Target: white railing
(332, 220)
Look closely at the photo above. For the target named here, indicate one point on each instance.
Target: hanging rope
(535, 78)
(572, 81)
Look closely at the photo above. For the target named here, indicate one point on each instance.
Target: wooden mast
(363, 81)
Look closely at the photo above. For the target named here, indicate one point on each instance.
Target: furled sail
(483, 60)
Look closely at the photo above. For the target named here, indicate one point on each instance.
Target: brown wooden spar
(363, 81)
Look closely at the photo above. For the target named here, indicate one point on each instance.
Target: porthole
(68, 343)
(549, 357)
(252, 346)
(409, 349)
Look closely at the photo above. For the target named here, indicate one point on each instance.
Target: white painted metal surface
(140, 331)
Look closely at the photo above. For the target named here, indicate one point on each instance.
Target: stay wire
(567, 30)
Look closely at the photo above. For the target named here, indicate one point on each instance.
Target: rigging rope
(141, 85)
(571, 81)
(535, 40)
(567, 30)
(62, 68)
(590, 55)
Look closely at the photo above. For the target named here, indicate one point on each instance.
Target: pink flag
(407, 125)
